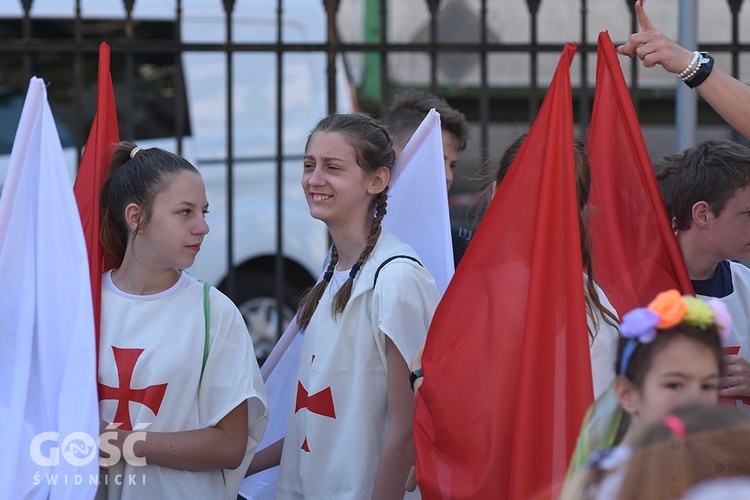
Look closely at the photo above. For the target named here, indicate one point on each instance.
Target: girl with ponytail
(180, 393)
(350, 432)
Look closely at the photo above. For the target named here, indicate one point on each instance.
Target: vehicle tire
(256, 300)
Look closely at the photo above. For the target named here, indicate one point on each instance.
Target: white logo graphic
(79, 448)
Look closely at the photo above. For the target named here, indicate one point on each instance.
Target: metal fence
(27, 43)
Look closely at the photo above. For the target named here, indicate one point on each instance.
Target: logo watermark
(79, 449)
(93, 479)
(109, 437)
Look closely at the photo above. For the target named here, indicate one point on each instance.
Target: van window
(154, 81)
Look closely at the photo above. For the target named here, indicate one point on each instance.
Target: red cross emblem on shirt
(320, 403)
(151, 396)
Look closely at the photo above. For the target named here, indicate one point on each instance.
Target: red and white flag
(48, 402)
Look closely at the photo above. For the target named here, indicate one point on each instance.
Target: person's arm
(416, 364)
(728, 96)
(266, 458)
(398, 451)
(220, 447)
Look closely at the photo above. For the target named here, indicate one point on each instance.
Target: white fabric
(615, 464)
(171, 333)
(337, 281)
(720, 488)
(183, 282)
(604, 348)
(346, 356)
(738, 304)
(281, 386)
(418, 201)
(47, 352)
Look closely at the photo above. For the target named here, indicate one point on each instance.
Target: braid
(309, 302)
(373, 150)
(345, 292)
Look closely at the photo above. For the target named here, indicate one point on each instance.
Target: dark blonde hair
(583, 189)
(373, 149)
(135, 176)
(692, 444)
(409, 107)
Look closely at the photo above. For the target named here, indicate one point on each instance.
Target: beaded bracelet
(686, 71)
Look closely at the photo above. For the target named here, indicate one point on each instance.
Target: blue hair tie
(627, 353)
(327, 276)
(354, 271)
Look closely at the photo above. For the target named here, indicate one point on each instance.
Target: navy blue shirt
(719, 286)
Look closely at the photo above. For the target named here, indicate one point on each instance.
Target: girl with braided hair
(350, 435)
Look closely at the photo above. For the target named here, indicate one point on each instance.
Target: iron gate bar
(279, 267)
(230, 286)
(484, 94)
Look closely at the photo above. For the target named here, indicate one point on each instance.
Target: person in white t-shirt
(350, 430)
(707, 194)
(179, 386)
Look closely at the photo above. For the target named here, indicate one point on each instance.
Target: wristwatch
(704, 67)
(413, 376)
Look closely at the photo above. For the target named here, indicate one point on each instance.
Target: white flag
(417, 211)
(280, 376)
(48, 402)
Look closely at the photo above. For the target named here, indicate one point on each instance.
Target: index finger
(643, 19)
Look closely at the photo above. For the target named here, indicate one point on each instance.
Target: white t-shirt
(150, 358)
(339, 423)
(604, 348)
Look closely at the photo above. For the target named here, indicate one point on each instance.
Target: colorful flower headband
(670, 309)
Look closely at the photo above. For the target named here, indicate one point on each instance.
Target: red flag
(91, 174)
(507, 375)
(636, 255)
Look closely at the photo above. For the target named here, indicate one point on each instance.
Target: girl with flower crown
(669, 354)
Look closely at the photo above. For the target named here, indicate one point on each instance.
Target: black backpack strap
(386, 261)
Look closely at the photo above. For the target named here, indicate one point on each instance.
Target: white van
(305, 241)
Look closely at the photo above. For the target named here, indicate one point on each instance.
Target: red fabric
(91, 174)
(507, 376)
(636, 255)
